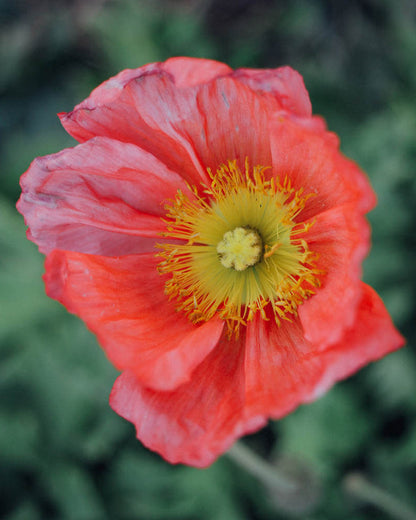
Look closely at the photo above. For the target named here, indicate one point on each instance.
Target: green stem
(269, 475)
(291, 485)
(358, 486)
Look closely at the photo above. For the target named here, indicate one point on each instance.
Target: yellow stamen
(240, 249)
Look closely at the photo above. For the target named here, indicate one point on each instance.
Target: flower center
(237, 248)
(240, 248)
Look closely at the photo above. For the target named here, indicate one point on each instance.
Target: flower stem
(269, 475)
(291, 484)
(358, 486)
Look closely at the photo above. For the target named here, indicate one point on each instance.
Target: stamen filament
(242, 249)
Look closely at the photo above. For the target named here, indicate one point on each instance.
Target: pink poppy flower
(210, 233)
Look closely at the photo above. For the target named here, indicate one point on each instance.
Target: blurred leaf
(22, 296)
(25, 511)
(138, 480)
(125, 30)
(326, 432)
(213, 487)
(393, 380)
(20, 437)
(72, 491)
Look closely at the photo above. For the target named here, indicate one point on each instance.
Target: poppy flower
(210, 233)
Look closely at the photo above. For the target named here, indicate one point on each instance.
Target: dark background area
(64, 454)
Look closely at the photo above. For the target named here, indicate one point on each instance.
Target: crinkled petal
(284, 83)
(127, 117)
(313, 162)
(188, 72)
(275, 383)
(286, 88)
(185, 72)
(102, 197)
(199, 420)
(371, 337)
(122, 301)
(283, 370)
(341, 239)
(189, 129)
(110, 89)
(237, 128)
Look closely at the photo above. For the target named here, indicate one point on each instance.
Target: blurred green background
(64, 454)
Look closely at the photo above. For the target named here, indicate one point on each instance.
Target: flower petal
(275, 382)
(371, 337)
(185, 72)
(171, 122)
(102, 197)
(141, 113)
(341, 239)
(237, 128)
(196, 422)
(122, 301)
(110, 89)
(284, 83)
(313, 162)
(283, 370)
(189, 72)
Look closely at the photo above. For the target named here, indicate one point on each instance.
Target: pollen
(240, 248)
(237, 247)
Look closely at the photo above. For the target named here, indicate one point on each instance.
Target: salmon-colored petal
(312, 161)
(370, 337)
(188, 72)
(128, 117)
(283, 83)
(122, 301)
(275, 384)
(185, 72)
(110, 89)
(173, 123)
(283, 370)
(102, 197)
(236, 128)
(341, 239)
(199, 420)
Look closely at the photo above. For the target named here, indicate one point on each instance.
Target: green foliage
(63, 453)
(333, 428)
